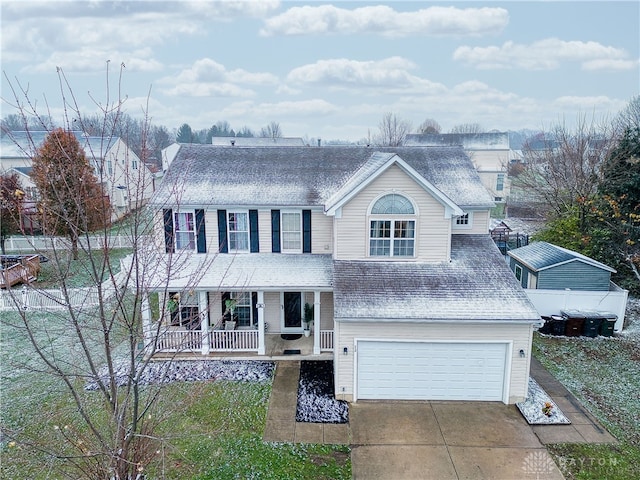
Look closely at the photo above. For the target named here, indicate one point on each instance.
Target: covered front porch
(244, 346)
(244, 304)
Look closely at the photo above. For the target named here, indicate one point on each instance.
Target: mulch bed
(316, 400)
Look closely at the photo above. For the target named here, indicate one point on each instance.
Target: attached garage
(404, 370)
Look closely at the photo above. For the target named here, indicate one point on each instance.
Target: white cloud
(384, 20)
(391, 74)
(206, 77)
(546, 54)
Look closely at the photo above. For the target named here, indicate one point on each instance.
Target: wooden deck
(18, 269)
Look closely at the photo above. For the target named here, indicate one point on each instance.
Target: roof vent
(319, 142)
(233, 142)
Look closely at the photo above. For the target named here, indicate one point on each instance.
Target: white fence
(49, 299)
(552, 302)
(38, 243)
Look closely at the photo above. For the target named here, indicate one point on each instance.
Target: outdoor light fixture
(345, 351)
(521, 353)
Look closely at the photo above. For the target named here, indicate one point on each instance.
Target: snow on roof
(470, 141)
(539, 256)
(22, 144)
(258, 141)
(263, 271)
(476, 285)
(304, 176)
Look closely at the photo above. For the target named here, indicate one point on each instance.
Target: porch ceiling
(256, 271)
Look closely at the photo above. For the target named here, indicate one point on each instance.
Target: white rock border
(532, 407)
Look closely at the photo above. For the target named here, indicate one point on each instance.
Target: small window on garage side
(518, 271)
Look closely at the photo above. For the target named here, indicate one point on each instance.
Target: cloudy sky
(329, 70)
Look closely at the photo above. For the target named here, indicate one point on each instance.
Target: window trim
(229, 231)
(176, 232)
(468, 225)
(283, 248)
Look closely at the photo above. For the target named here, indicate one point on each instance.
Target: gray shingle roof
(475, 285)
(542, 255)
(252, 271)
(303, 176)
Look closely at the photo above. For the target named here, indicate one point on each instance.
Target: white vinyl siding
(321, 233)
(478, 223)
(518, 334)
(432, 237)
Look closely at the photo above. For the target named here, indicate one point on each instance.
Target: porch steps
(281, 425)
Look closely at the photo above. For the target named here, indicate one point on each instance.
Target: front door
(292, 312)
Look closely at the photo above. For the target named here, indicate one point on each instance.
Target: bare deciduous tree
(562, 168)
(272, 130)
(429, 126)
(109, 433)
(392, 130)
(467, 128)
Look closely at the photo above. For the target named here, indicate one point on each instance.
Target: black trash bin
(575, 323)
(558, 325)
(546, 327)
(608, 324)
(592, 322)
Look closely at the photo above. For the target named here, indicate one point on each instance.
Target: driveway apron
(399, 440)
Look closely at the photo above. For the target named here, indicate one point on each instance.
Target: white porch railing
(233, 340)
(326, 340)
(179, 340)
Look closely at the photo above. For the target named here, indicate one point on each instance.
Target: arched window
(393, 204)
(392, 227)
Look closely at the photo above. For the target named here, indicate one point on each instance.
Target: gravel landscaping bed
(316, 400)
(195, 371)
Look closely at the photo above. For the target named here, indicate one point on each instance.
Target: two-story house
(127, 181)
(410, 296)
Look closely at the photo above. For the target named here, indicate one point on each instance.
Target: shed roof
(304, 176)
(539, 256)
(470, 141)
(475, 285)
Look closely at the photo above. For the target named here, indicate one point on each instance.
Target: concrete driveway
(404, 440)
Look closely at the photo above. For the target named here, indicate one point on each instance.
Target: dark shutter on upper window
(253, 231)
(168, 230)
(200, 232)
(275, 231)
(306, 231)
(222, 231)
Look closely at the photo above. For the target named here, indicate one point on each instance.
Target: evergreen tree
(185, 134)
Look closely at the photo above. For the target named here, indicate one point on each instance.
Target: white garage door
(431, 371)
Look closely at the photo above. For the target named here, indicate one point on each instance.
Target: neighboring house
(490, 153)
(558, 279)
(411, 298)
(126, 180)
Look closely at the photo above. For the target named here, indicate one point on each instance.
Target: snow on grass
(604, 372)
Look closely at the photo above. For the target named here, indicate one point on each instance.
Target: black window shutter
(222, 231)
(200, 232)
(275, 231)
(306, 231)
(253, 231)
(168, 230)
(254, 306)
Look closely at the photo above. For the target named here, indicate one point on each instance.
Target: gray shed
(542, 265)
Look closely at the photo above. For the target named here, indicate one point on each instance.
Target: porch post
(203, 309)
(316, 322)
(260, 307)
(147, 333)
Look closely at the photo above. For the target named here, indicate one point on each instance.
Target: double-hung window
(184, 230)
(238, 227)
(291, 225)
(392, 227)
(242, 308)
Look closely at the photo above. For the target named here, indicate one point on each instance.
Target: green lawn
(604, 374)
(209, 430)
